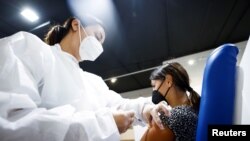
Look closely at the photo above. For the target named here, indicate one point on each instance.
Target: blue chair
(218, 90)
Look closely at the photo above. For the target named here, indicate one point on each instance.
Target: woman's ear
(169, 80)
(75, 24)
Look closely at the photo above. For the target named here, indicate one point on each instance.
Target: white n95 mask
(90, 48)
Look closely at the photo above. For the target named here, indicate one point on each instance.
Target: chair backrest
(218, 90)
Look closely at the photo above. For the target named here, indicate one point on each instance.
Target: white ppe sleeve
(22, 64)
(137, 105)
(58, 124)
(32, 123)
(116, 102)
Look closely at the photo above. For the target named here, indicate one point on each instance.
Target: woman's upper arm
(154, 133)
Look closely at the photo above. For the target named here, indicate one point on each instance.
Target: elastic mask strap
(166, 95)
(167, 92)
(84, 31)
(80, 26)
(161, 84)
(80, 36)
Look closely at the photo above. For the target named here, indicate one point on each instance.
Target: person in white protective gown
(46, 96)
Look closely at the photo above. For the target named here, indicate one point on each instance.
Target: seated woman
(170, 84)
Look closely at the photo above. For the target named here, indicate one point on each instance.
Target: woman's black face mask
(157, 97)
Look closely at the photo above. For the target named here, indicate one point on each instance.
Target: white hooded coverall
(46, 96)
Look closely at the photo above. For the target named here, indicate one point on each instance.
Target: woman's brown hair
(180, 79)
(58, 32)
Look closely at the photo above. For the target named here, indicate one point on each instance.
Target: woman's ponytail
(58, 32)
(55, 35)
(195, 99)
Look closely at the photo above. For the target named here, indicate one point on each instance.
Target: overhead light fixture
(29, 15)
(113, 80)
(41, 25)
(191, 62)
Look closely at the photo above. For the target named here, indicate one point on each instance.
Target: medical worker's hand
(160, 107)
(146, 112)
(123, 120)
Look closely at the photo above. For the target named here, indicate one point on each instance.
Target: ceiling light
(29, 15)
(191, 62)
(41, 25)
(113, 80)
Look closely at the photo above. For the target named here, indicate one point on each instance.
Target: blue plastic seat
(218, 90)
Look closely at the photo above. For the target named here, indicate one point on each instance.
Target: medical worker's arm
(138, 105)
(21, 120)
(116, 102)
(20, 117)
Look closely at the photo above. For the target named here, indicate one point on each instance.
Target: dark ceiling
(147, 33)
